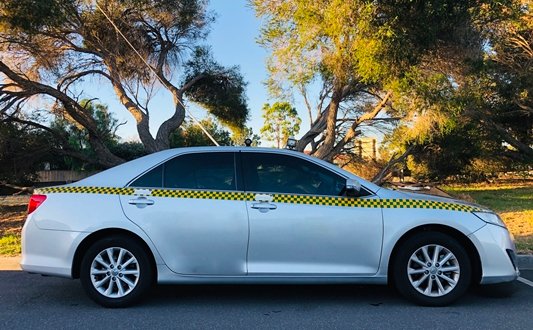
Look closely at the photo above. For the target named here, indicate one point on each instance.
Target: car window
(209, 171)
(266, 172)
(151, 179)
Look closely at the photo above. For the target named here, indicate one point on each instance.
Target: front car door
(191, 209)
(301, 225)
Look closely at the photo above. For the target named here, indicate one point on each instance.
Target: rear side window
(210, 171)
(206, 171)
(151, 179)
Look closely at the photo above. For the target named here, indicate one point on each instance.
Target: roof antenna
(153, 71)
(248, 142)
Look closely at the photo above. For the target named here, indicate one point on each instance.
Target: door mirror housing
(353, 188)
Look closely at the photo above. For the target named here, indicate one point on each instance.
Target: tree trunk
(324, 151)
(379, 178)
(171, 124)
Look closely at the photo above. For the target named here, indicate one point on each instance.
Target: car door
(188, 206)
(299, 223)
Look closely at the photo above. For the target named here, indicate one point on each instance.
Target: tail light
(35, 202)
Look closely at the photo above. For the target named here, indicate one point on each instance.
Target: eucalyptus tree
(48, 47)
(281, 121)
(373, 59)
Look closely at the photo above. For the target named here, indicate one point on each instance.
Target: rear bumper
(497, 264)
(48, 252)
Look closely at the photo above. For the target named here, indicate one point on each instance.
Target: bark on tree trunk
(171, 124)
(331, 127)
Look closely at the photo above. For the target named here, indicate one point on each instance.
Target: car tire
(432, 269)
(116, 271)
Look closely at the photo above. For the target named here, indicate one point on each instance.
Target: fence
(61, 176)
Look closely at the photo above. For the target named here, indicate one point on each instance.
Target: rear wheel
(432, 269)
(116, 271)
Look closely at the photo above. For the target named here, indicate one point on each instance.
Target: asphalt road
(32, 301)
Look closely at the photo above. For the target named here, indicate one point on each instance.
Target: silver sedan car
(254, 215)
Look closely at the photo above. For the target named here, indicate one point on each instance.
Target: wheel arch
(469, 246)
(97, 235)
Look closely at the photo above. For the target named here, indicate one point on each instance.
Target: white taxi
(254, 215)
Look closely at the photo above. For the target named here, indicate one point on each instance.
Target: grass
(12, 216)
(10, 245)
(513, 204)
(497, 198)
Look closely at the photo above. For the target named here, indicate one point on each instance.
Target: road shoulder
(10, 263)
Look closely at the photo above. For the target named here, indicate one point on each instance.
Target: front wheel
(116, 272)
(432, 269)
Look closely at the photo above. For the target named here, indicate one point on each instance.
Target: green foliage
(281, 121)
(219, 90)
(78, 136)
(238, 138)
(32, 15)
(10, 245)
(128, 150)
(473, 107)
(446, 154)
(22, 151)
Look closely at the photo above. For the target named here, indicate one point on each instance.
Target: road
(32, 301)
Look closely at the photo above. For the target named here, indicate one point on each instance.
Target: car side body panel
(300, 239)
(195, 236)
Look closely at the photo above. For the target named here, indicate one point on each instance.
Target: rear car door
(299, 223)
(191, 209)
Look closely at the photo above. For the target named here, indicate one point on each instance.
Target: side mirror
(353, 188)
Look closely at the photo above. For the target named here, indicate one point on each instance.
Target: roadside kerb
(9, 263)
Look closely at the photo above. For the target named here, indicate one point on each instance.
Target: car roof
(121, 175)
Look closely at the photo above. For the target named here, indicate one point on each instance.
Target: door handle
(141, 202)
(264, 207)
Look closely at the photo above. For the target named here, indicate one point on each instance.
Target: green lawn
(497, 198)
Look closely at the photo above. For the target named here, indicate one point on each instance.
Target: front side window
(266, 172)
(204, 171)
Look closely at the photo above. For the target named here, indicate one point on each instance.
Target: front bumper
(493, 244)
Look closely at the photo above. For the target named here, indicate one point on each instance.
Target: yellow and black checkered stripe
(277, 198)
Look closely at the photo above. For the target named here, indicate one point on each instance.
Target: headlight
(490, 218)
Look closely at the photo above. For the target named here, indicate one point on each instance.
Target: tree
(77, 137)
(506, 78)
(48, 47)
(22, 150)
(418, 67)
(359, 51)
(240, 137)
(487, 104)
(281, 122)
